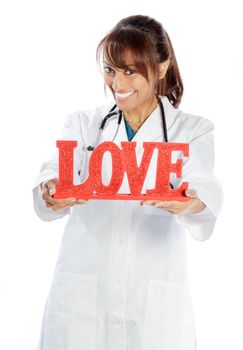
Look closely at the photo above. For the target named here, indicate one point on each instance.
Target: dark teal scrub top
(130, 131)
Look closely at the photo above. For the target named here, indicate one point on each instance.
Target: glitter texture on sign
(123, 159)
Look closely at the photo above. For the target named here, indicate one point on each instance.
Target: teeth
(124, 95)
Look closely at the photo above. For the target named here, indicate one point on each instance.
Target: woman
(121, 280)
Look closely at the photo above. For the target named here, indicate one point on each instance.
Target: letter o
(95, 168)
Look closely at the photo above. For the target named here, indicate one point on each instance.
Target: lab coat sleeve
(49, 169)
(198, 171)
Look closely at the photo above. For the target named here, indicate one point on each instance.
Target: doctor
(121, 278)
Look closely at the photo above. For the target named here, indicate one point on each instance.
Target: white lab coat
(120, 281)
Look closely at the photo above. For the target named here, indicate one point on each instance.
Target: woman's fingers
(149, 202)
(69, 202)
(49, 189)
(158, 203)
(78, 201)
(50, 185)
(177, 207)
(191, 193)
(60, 202)
(81, 201)
(57, 204)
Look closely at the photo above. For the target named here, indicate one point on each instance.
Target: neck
(137, 117)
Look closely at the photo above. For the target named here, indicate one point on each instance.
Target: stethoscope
(111, 113)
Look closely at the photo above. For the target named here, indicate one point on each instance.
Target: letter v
(136, 174)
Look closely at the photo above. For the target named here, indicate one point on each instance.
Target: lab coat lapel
(152, 128)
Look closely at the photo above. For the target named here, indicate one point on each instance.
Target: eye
(108, 69)
(131, 71)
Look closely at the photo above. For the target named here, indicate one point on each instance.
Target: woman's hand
(49, 188)
(194, 205)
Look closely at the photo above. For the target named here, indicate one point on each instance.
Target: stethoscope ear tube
(109, 115)
(163, 120)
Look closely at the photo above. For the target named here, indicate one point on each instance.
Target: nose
(118, 82)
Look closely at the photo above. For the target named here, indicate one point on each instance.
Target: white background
(48, 71)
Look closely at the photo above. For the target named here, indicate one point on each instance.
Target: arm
(198, 171)
(49, 170)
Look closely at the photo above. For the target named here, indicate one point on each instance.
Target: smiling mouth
(123, 96)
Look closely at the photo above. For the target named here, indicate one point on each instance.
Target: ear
(163, 68)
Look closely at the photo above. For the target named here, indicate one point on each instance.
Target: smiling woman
(121, 277)
(148, 46)
(134, 94)
(135, 77)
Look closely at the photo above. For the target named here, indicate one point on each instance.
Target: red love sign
(123, 160)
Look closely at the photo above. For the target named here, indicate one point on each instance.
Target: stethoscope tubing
(112, 112)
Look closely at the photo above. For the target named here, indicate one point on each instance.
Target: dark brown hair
(149, 45)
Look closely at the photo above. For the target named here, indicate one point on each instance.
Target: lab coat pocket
(169, 321)
(70, 315)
